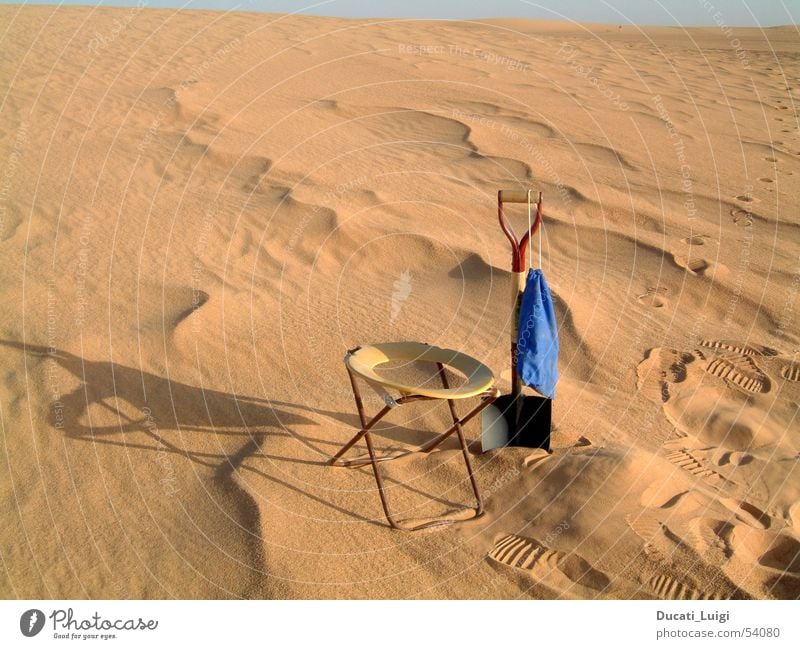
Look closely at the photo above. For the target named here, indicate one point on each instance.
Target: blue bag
(537, 340)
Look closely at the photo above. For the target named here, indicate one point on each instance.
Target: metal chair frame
(487, 398)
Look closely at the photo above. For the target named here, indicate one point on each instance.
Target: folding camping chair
(362, 361)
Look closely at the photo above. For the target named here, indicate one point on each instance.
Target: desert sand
(202, 211)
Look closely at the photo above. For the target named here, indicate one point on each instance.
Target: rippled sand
(200, 212)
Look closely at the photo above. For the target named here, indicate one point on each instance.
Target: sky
(642, 12)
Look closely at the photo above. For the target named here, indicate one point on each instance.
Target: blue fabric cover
(537, 341)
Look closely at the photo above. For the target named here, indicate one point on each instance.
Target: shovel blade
(500, 427)
(494, 428)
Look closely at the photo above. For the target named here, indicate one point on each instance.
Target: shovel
(517, 419)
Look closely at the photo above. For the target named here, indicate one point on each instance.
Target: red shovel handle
(518, 247)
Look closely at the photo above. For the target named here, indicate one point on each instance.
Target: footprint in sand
(736, 363)
(707, 535)
(720, 402)
(742, 218)
(772, 550)
(696, 265)
(558, 570)
(676, 371)
(667, 495)
(690, 463)
(738, 458)
(668, 587)
(684, 442)
(690, 262)
(695, 240)
(654, 296)
(722, 457)
(667, 552)
(657, 546)
(740, 370)
(738, 348)
(662, 367)
(748, 514)
(791, 372)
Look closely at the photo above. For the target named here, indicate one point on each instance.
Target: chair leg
(379, 482)
(365, 432)
(357, 398)
(462, 440)
(432, 444)
(362, 433)
(365, 425)
(456, 427)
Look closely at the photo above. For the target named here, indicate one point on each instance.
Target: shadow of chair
(142, 402)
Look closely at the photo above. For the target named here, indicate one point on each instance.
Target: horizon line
(245, 7)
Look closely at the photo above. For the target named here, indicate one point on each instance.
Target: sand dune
(202, 211)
